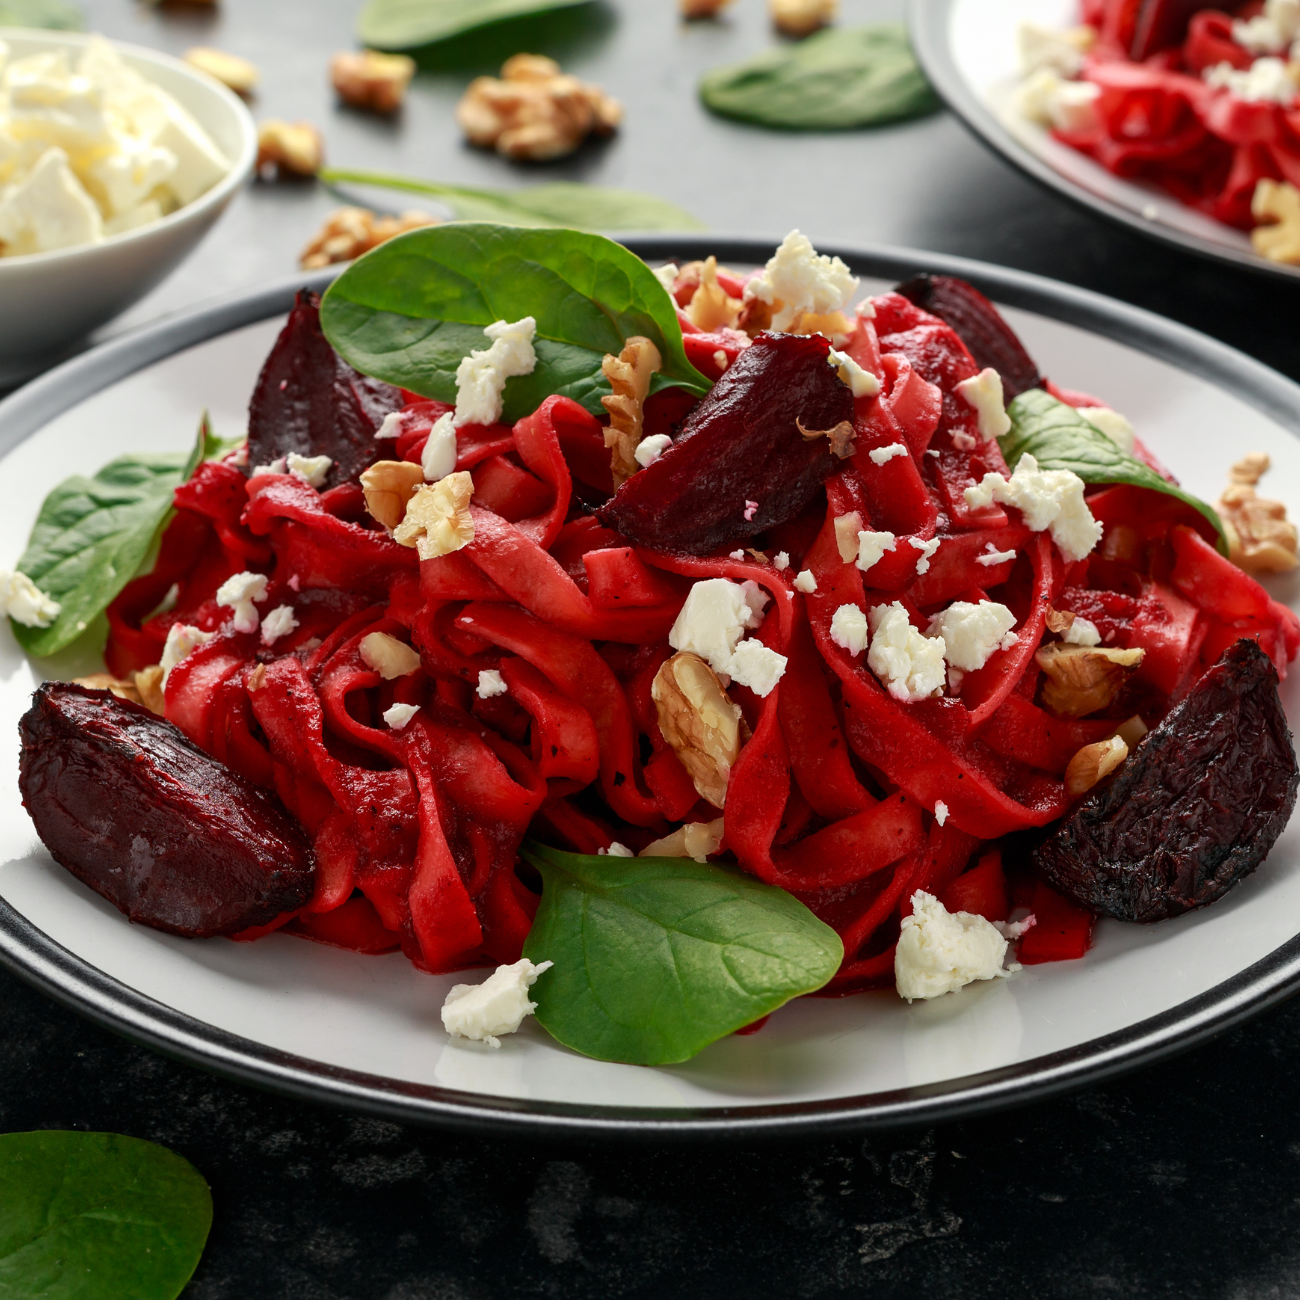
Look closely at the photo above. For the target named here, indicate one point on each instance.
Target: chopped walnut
(289, 148)
(349, 232)
(1059, 620)
(388, 656)
(802, 17)
(372, 81)
(1094, 763)
(1260, 537)
(693, 840)
(534, 111)
(437, 520)
(847, 528)
(701, 8)
(712, 307)
(841, 437)
(1276, 206)
(699, 721)
(629, 375)
(229, 69)
(107, 682)
(1082, 679)
(388, 485)
(149, 684)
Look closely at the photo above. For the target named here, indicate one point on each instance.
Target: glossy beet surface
(979, 325)
(1196, 808)
(167, 834)
(310, 401)
(741, 445)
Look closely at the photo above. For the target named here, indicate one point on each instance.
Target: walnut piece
(349, 232)
(629, 375)
(701, 8)
(841, 437)
(238, 74)
(1094, 763)
(711, 307)
(289, 148)
(388, 485)
(372, 81)
(802, 17)
(1059, 621)
(149, 684)
(699, 721)
(107, 682)
(388, 656)
(533, 111)
(1082, 679)
(437, 520)
(1260, 537)
(1276, 206)
(693, 840)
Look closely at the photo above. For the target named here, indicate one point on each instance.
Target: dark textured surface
(1181, 1181)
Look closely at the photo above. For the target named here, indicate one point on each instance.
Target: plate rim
(32, 955)
(929, 24)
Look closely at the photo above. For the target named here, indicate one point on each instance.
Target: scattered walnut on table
(1276, 206)
(701, 8)
(1260, 537)
(802, 17)
(238, 74)
(349, 232)
(629, 375)
(534, 111)
(699, 721)
(372, 81)
(289, 148)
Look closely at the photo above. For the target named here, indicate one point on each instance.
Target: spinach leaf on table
(410, 24)
(656, 958)
(55, 15)
(840, 78)
(410, 310)
(1058, 437)
(96, 1216)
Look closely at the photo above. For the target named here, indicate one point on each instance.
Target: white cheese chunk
(24, 602)
(849, 629)
(927, 550)
(616, 850)
(497, 1006)
(649, 449)
(1064, 105)
(182, 641)
(277, 466)
(51, 103)
(313, 470)
(490, 683)
(48, 209)
(712, 621)
(910, 666)
(481, 376)
(399, 715)
(971, 633)
(278, 623)
(940, 951)
(666, 275)
(880, 455)
(1047, 499)
(871, 546)
(757, 666)
(983, 394)
(797, 279)
(238, 594)
(1265, 81)
(782, 561)
(993, 556)
(438, 459)
(862, 383)
(1081, 632)
(1112, 424)
(123, 179)
(199, 163)
(940, 811)
(1059, 50)
(805, 581)
(144, 215)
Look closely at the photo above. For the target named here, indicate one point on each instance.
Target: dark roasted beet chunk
(1195, 809)
(979, 325)
(309, 400)
(167, 834)
(741, 445)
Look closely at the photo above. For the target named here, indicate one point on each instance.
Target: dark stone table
(1182, 1180)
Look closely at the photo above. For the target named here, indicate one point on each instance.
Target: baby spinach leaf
(1058, 437)
(409, 24)
(55, 15)
(410, 310)
(656, 958)
(561, 203)
(840, 78)
(95, 1216)
(93, 535)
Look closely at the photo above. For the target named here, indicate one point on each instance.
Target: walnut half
(238, 74)
(1260, 537)
(1082, 679)
(699, 721)
(349, 232)
(388, 485)
(289, 148)
(629, 376)
(437, 520)
(1276, 206)
(802, 17)
(1093, 763)
(372, 81)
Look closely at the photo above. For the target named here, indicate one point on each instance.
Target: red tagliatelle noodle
(833, 798)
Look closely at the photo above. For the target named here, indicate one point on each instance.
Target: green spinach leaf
(95, 1216)
(1058, 437)
(93, 535)
(655, 958)
(56, 15)
(841, 78)
(561, 203)
(410, 24)
(410, 310)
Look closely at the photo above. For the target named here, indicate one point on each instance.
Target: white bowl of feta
(114, 162)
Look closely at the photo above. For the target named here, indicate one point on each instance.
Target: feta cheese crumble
(313, 470)
(871, 546)
(1048, 99)
(1081, 632)
(648, 450)
(1265, 81)
(983, 394)
(1271, 31)
(497, 1006)
(941, 951)
(1060, 51)
(882, 454)
(757, 666)
(1048, 500)
(805, 581)
(238, 594)
(182, 640)
(736, 555)
(1112, 424)
(616, 850)
(715, 617)
(940, 811)
(797, 279)
(276, 466)
(24, 602)
(782, 561)
(399, 715)
(490, 683)
(910, 666)
(862, 383)
(279, 622)
(971, 633)
(849, 629)
(993, 556)
(927, 550)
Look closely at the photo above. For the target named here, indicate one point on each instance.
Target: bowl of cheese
(114, 162)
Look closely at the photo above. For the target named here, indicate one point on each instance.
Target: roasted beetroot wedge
(310, 401)
(167, 834)
(979, 325)
(1195, 809)
(740, 464)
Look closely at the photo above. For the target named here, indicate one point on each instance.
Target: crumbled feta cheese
(616, 850)
(927, 550)
(712, 621)
(391, 428)
(1082, 631)
(1265, 81)
(277, 466)
(941, 951)
(666, 275)
(849, 629)
(182, 640)
(910, 666)
(736, 555)
(993, 556)
(313, 470)
(971, 633)
(648, 450)
(847, 529)
(782, 561)
(940, 811)
(862, 383)
(1060, 51)
(983, 394)
(48, 209)
(1047, 499)
(871, 546)
(882, 454)
(805, 581)
(490, 683)
(1112, 424)
(751, 509)
(481, 376)
(124, 179)
(388, 656)
(756, 666)
(797, 280)
(495, 1007)
(1064, 105)
(24, 602)
(238, 594)
(438, 459)
(279, 622)
(1271, 31)
(399, 715)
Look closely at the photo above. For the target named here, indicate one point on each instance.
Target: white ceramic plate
(365, 1031)
(968, 50)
